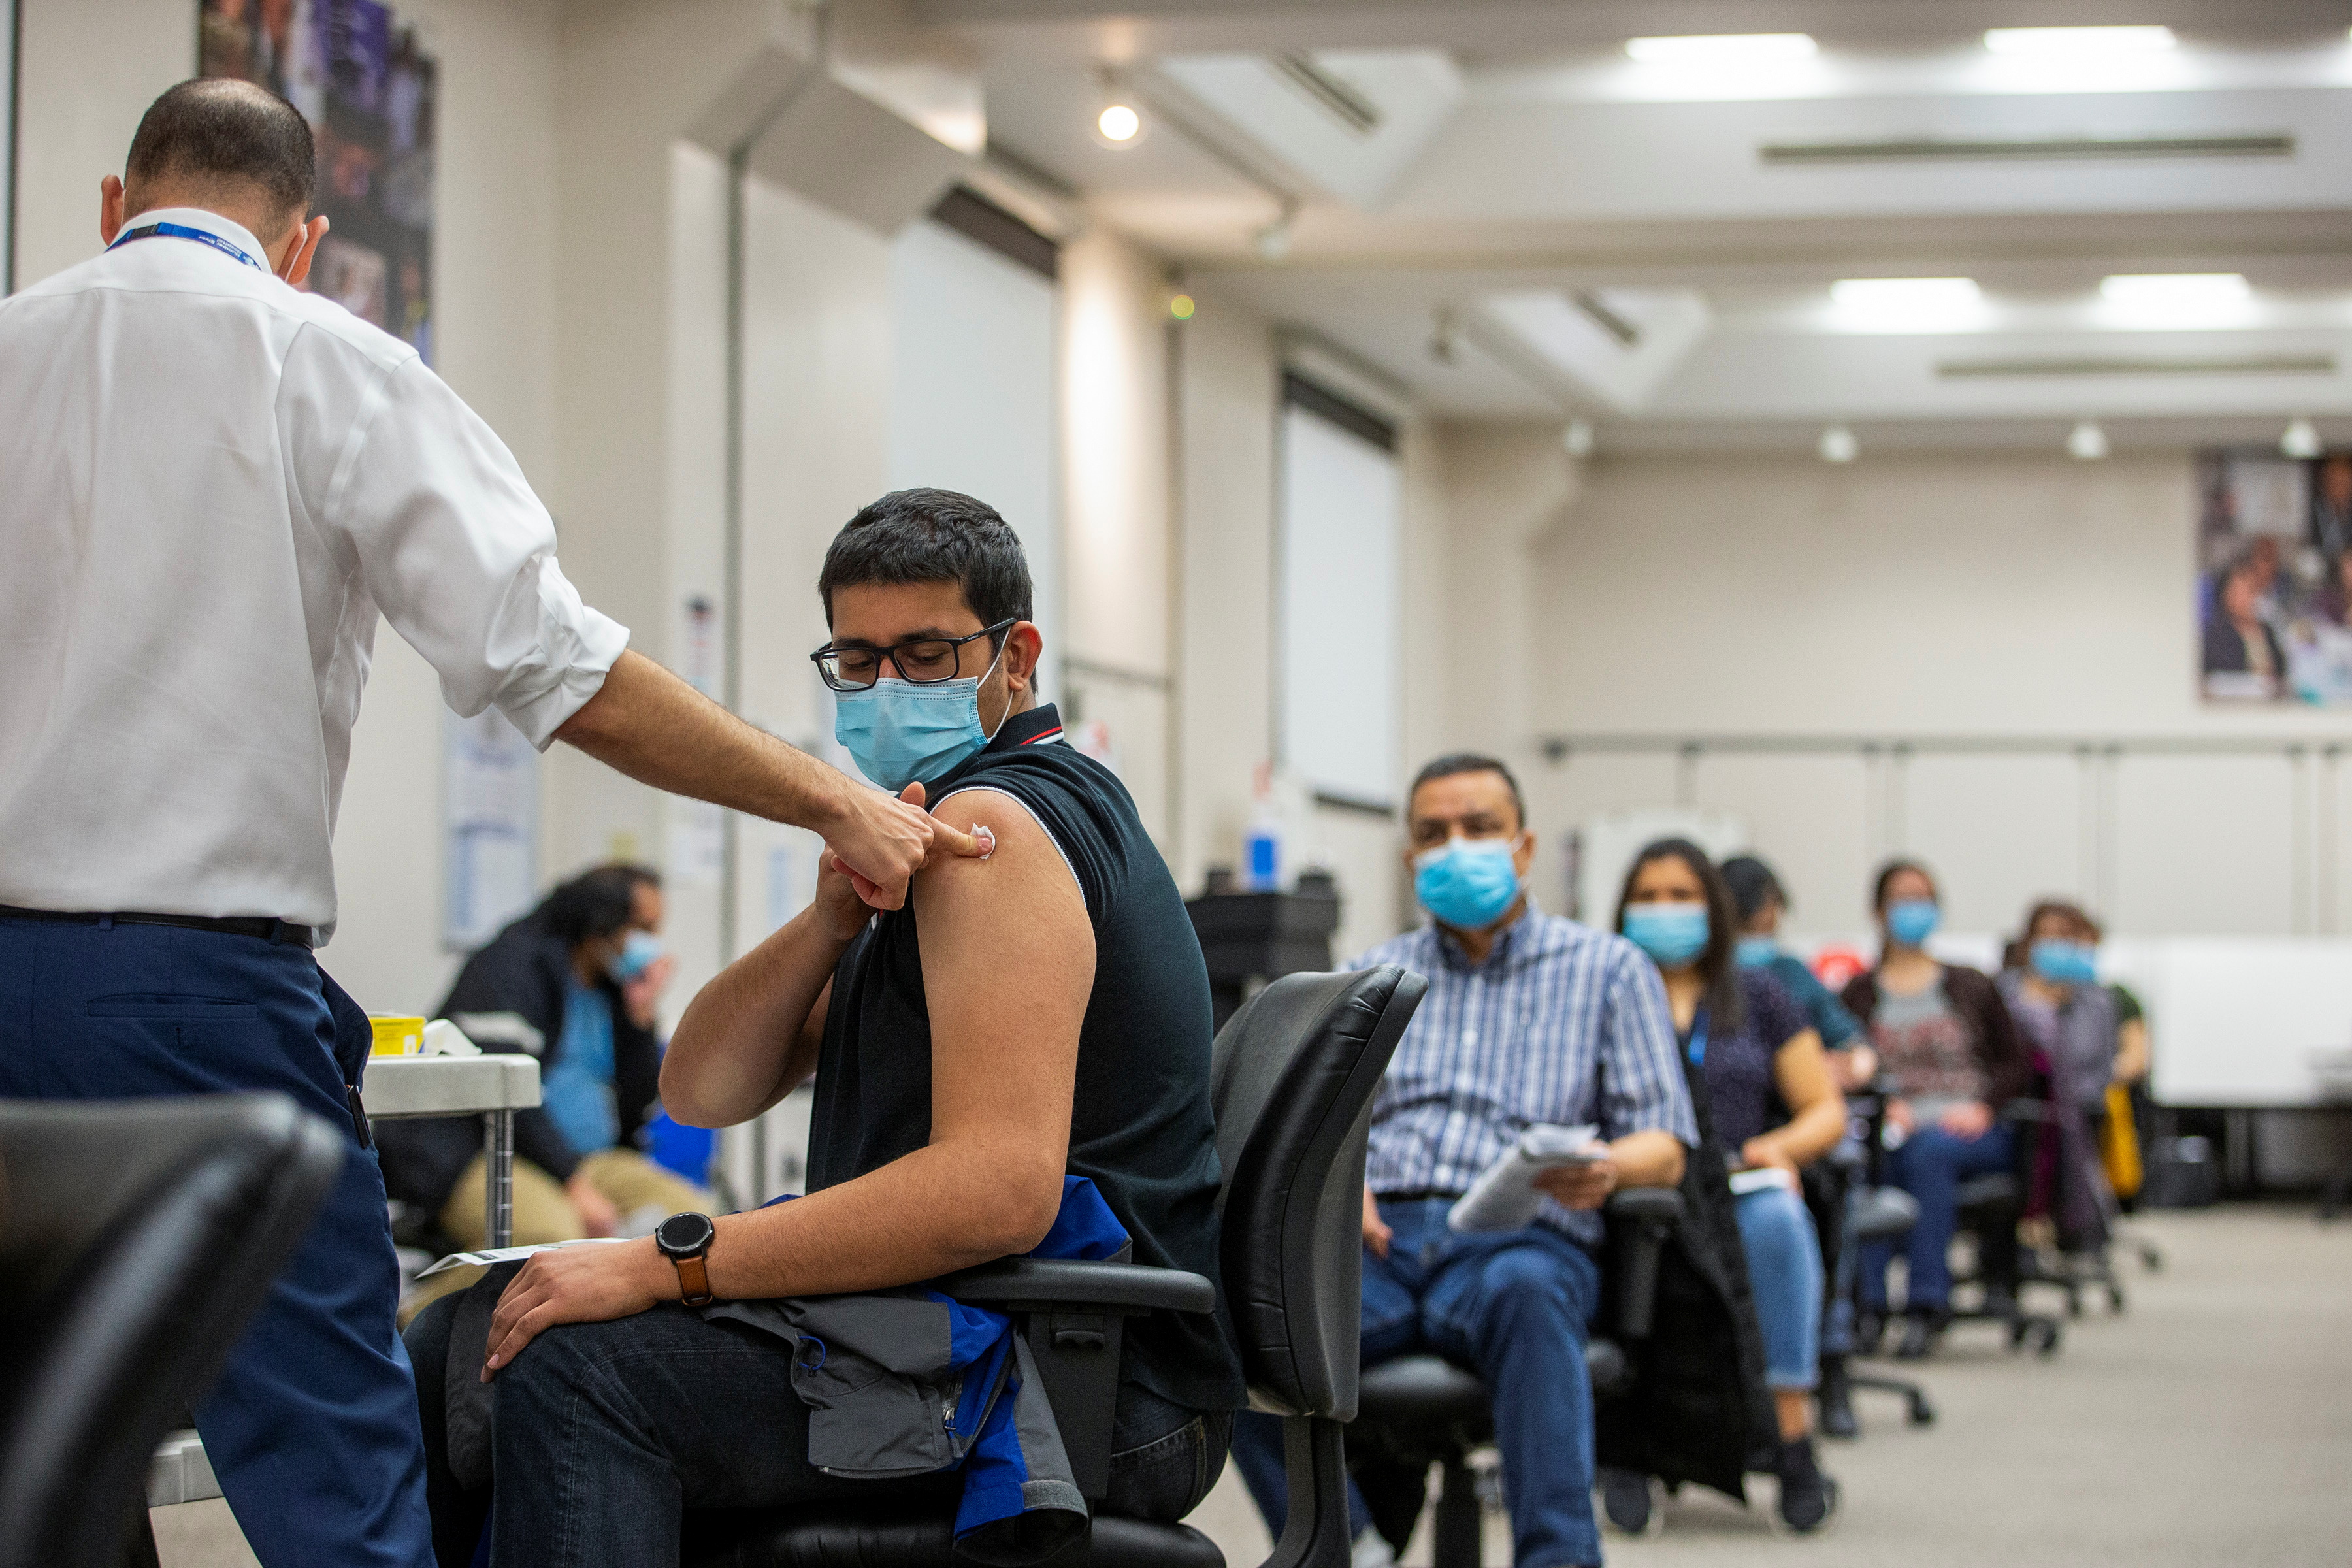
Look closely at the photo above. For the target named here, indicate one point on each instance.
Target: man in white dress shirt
(213, 484)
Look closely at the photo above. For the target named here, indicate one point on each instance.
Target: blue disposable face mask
(1468, 883)
(898, 733)
(1755, 951)
(1913, 920)
(638, 952)
(2064, 962)
(1672, 935)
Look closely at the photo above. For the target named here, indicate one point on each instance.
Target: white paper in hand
(1504, 1198)
(509, 1254)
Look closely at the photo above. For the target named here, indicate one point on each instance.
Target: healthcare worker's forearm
(648, 723)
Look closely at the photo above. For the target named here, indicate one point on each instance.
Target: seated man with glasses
(1530, 1018)
(1040, 1012)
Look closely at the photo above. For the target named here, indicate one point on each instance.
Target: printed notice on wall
(489, 816)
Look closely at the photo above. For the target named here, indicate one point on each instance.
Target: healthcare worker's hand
(577, 1285)
(882, 843)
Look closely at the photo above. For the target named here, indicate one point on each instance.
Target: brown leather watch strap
(693, 1281)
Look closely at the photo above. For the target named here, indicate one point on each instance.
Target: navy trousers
(1517, 1305)
(312, 1430)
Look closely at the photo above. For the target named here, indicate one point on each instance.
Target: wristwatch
(685, 1239)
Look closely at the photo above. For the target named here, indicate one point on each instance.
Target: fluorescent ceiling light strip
(2174, 289)
(1722, 49)
(1904, 293)
(2252, 364)
(2075, 42)
(1950, 150)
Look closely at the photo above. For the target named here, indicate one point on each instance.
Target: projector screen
(1336, 607)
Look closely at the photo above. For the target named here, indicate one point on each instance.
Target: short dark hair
(597, 903)
(1455, 763)
(1726, 1003)
(223, 132)
(932, 536)
(1753, 886)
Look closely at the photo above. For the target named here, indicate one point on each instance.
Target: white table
(494, 1085)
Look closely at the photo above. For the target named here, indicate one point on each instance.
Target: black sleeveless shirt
(1141, 1126)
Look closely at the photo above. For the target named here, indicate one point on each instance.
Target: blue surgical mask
(899, 732)
(1468, 883)
(638, 951)
(2064, 962)
(1755, 951)
(1673, 934)
(1913, 920)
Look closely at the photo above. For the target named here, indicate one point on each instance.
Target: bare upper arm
(1008, 954)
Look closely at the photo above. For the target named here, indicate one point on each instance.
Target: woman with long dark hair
(1948, 1050)
(1771, 1104)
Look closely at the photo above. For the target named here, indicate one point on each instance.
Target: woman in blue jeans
(1949, 1052)
(1775, 1108)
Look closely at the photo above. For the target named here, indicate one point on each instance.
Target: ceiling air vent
(1958, 149)
(2242, 364)
(1338, 98)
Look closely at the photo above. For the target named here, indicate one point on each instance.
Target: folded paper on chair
(1504, 1198)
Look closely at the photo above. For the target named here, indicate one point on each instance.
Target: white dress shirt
(210, 483)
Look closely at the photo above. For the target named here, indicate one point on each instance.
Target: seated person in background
(1773, 1106)
(1949, 1058)
(1039, 1013)
(2068, 1019)
(1529, 1019)
(583, 971)
(1760, 902)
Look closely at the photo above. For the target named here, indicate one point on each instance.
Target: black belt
(261, 926)
(1418, 1195)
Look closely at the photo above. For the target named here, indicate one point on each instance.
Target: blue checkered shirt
(1561, 1023)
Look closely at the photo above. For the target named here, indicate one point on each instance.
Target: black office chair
(137, 1238)
(1873, 1214)
(1422, 1410)
(1292, 1083)
(1990, 1209)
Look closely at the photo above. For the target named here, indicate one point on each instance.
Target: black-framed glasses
(924, 661)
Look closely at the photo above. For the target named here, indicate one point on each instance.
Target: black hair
(597, 903)
(1891, 869)
(222, 132)
(1753, 886)
(1726, 1009)
(1455, 763)
(932, 536)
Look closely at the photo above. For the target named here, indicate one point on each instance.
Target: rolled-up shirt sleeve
(459, 554)
(1641, 1084)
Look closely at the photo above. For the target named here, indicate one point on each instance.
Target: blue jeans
(312, 1430)
(1784, 1273)
(1930, 1166)
(1517, 1307)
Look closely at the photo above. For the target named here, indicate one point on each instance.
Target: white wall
(1977, 597)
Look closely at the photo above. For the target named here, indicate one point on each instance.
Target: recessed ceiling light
(1119, 124)
(2300, 439)
(2079, 41)
(1884, 296)
(1577, 440)
(1722, 49)
(2087, 442)
(1837, 444)
(2174, 290)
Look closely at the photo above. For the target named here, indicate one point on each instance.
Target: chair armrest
(1124, 1289)
(2025, 1109)
(1662, 1206)
(1651, 1216)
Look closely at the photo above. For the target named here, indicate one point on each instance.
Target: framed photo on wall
(2274, 577)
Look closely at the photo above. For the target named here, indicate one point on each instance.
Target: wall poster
(2274, 577)
(368, 90)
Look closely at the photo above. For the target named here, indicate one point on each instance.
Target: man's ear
(302, 251)
(1024, 649)
(1524, 857)
(110, 209)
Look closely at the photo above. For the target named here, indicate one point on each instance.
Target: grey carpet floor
(2209, 1424)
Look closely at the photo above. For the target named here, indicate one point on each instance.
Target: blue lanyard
(181, 231)
(1697, 1046)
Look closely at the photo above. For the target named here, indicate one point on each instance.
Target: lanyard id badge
(1697, 1046)
(182, 231)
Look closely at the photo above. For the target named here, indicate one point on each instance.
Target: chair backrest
(137, 1238)
(1292, 1080)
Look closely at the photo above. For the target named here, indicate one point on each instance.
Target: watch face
(684, 1234)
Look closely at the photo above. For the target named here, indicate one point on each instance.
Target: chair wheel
(2115, 1297)
(2017, 1330)
(1921, 1412)
(2045, 1339)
